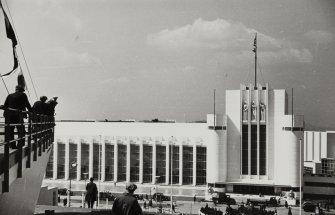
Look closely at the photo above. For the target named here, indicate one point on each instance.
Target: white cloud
(225, 36)
(324, 37)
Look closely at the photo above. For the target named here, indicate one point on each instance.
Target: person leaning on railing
(19, 102)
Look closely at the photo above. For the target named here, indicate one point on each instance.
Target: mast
(255, 50)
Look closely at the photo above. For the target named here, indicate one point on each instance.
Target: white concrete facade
(318, 145)
(269, 138)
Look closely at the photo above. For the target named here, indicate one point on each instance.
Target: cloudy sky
(145, 59)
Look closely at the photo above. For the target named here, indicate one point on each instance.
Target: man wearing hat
(127, 204)
(19, 102)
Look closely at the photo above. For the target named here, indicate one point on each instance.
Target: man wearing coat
(91, 193)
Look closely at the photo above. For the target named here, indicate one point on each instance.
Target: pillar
(103, 159)
(194, 165)
(90, 159)
(78, 141)
(180, 164)
(128, 162)
(167, 163)
(141, 163)
(153, 163)
(55, 161)
(115, 160)
(67, 159)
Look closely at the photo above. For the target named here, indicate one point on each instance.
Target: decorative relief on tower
(253, 110)
(262, 110)
(245, 111)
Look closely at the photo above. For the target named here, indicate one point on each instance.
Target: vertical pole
(69, 194)
(5, 183)
(300, 197)
(214, 112)
(292, 110)
(255, 49)
(99, 172)
(29, 141)
(20, 144)
(171, 174)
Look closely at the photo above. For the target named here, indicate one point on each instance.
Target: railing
(34, 135)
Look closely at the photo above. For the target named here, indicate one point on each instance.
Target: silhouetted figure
(127, 204)
(286, 205)
(40, 107)
(145, 204)
(91, 193)
(194, 198)
(64, 202)
(18, 101)
(289, 211)
(51, 104)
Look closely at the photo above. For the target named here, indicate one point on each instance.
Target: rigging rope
(21, 52)
(4, 83)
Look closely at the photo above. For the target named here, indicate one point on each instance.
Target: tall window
(245, 150)
(201, 165)
(50, 165)
(109, 168)
(160, 163)
(85, 154)
(254, 156)
(187, 165)
(96, 156)
(134, 162)
(147, 163)
(61, 161)
(72, 158)
(262, 150)
(122, 163)
(175, 164)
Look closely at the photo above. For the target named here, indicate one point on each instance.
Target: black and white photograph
(197, 107)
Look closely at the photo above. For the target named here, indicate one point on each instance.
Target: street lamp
(73, 165)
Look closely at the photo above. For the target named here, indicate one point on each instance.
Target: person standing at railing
(40, 107)
(18, 101)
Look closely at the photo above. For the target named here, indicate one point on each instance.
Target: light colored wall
(233, 135)
(217, 151)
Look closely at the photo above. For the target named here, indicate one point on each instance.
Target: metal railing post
(35, 138)
(20, 144)
(40, 136)
(5, 183)
(29, 141)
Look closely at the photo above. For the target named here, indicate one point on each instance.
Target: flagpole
(255, 49)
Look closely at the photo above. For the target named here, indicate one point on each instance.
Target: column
(90, 159)
(180, 164)
(128, 162)
(141, 163)
(103, 158)
(115, 161)
(54, 175)
(167, 164)
(194, 165)
(153, 163)
(67, 159)
(78, 141)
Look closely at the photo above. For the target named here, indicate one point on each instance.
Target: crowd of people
(15, 106)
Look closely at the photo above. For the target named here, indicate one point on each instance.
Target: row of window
(161, 159)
